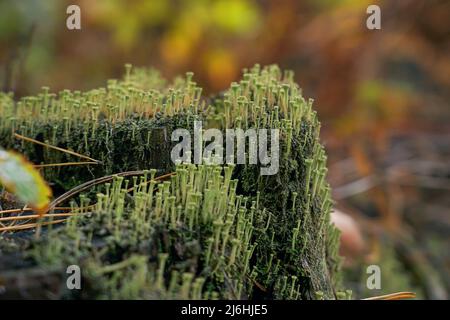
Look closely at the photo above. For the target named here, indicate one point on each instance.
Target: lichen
(211, 231)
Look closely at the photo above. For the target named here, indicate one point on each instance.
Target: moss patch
(211, 231)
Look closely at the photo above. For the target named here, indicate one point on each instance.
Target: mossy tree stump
(210, 231)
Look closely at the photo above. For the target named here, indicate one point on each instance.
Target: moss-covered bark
(209, 232)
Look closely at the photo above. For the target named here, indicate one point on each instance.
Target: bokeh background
(382, 97)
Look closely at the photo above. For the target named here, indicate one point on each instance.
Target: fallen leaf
(19, 177)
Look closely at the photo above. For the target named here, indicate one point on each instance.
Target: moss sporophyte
(210, 146)
(198, 229)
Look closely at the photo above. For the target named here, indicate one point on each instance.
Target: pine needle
(21, 137)
(63, 164)
(36, 216)
(394, 296)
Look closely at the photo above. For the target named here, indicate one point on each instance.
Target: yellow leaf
(19, 177)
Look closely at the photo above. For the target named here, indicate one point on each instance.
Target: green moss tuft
(211, 231)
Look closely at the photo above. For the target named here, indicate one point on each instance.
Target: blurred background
(382, 97)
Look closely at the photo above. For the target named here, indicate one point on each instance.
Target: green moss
(209, 232)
